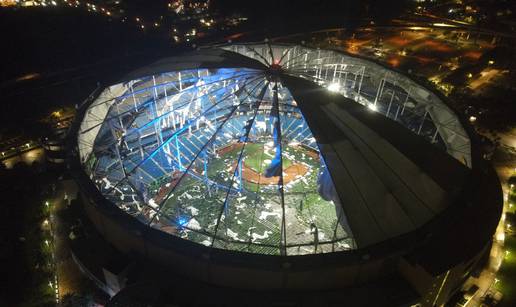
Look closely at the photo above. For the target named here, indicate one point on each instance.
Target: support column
(360, 85)
(406, 100)
(157, 123)
(397, 112)
(390, 102)
(134, 98)
(422, 123)
(434, 138)
(379, 91)
(178, 153)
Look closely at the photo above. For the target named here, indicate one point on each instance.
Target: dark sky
(72, 49)
(312, 11)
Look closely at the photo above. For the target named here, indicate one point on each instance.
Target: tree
(76, 300)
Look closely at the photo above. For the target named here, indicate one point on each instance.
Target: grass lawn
(507, 273)
(512, 197)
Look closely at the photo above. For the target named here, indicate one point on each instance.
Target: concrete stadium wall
(231, 269)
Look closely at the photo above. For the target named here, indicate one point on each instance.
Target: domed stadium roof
(275, 149)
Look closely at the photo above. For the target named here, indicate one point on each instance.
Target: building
(54, 142)
(8, 3)
(282, 168)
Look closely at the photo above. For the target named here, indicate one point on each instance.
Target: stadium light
(182, 221)
(372, 107)
(334, 87)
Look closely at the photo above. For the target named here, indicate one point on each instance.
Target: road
(70, 278)
(504, 162)
(28, 157)
(487, 76)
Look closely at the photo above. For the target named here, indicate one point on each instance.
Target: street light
(500, 237)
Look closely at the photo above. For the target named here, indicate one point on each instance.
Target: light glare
(372, 107)
(334, 87)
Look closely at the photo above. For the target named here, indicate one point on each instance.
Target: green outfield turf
(252, 212)
(258, 160)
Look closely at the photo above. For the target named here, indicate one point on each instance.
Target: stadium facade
(260, 166)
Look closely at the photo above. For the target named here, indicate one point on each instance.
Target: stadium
(276, 166)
